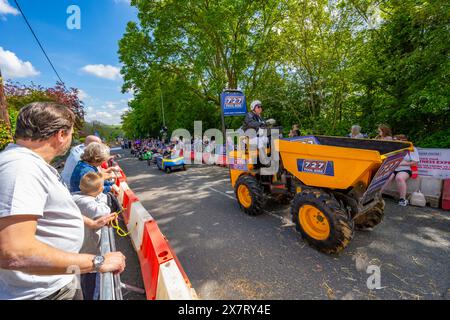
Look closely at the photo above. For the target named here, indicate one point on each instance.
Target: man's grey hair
(40, 121)
(356, 127)
(95, 153)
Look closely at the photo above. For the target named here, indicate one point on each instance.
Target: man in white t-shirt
(74, 157)
(41, 228)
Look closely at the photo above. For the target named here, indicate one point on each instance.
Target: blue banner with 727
(233, 103)
(382, 175)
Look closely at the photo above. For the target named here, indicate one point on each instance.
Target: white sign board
(434, 163)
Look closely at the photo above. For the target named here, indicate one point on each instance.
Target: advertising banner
(382, 175)
(233, 104)
(434, 163)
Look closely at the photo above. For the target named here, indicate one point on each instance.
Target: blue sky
(86, 58)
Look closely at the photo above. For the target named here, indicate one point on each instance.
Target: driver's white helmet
(254, 104)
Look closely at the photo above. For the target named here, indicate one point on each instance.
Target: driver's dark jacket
(253, 121)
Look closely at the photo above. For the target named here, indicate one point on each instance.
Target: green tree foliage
(324, 64)
(188, 52)
(5, 136)
(107, 132)
(404, 71)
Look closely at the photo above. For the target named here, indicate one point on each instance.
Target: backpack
(414, 169)
(418, 199)
(113, 203)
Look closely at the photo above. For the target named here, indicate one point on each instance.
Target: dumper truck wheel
(371, 218)
(322, 220)
(249, 195)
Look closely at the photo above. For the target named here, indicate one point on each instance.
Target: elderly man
(355, 132)
(74, 157)
(41, 227)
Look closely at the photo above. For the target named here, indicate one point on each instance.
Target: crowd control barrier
(110, 285)
(163, 276)
(446, 195)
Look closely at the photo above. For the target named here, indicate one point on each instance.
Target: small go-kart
(170, 164)
(154, 157)
(145, 156)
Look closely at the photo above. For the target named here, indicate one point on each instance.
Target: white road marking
(286, 222)
(221, 192)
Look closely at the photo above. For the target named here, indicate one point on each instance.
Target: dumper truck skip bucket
(342, 163)
(340, 181)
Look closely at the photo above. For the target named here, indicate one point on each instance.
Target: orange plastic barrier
(446, 195)
(128, 198)
(121, 177)
(222, 161)
(154, 252)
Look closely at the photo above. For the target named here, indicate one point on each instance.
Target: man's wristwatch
(98, 262)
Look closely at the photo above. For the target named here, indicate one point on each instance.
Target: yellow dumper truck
(333, 184)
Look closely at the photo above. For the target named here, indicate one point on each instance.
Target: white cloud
(13, 67)
(122, 1)
(109, 112)
(102, 71)
(110, 105)
(105, 117)
(82, 95)
(6, 8)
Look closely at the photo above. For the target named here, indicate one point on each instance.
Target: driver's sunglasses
(258, 106)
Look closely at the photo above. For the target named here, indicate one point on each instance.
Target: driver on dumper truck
(253, 120)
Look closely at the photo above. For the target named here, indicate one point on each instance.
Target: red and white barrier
(446, 195)
(171, 284)
(128, 198)
(122, 187)
(121, 177)
(162, 273)
(138, 218)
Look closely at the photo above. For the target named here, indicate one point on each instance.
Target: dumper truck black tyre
(250, 195)
(322, 220)
(372, 218)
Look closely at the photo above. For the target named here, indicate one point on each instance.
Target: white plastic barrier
(123, 186)
(431, 188)
(138, 217)
(171, 284)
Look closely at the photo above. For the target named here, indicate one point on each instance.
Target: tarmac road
(229, 255)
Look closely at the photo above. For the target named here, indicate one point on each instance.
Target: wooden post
(4, 116)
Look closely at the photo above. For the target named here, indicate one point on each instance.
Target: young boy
(93, 205)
